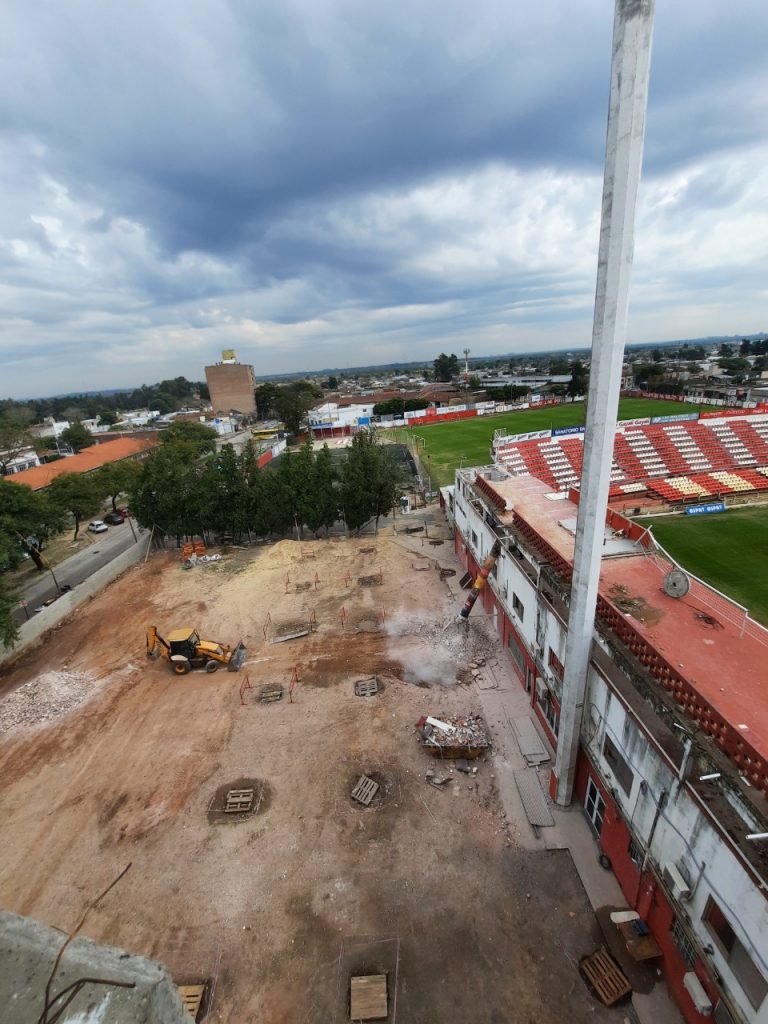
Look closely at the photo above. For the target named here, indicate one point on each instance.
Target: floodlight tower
(632, 29)
(466, 365)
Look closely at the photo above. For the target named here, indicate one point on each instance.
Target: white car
(97, 526)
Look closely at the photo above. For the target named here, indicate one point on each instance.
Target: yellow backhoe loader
(185, 650)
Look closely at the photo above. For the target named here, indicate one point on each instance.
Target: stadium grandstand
(676, 459)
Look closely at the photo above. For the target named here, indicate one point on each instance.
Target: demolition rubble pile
(45, 698)
(458, 736)
(464, 643)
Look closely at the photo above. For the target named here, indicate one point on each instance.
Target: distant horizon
(370, 367)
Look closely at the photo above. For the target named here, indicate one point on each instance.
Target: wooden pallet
(366, 687)
(606, 977)
(239, 801)
(365, 790)
(368, 997)
(270, 693)
(192, 998)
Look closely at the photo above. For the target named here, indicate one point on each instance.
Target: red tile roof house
(86, 461)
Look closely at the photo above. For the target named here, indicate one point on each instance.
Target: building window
(621, 770)
(635, 853)
(556, 665)
(517, 654)
(684, 944)
(744, 969)
(474, 539)
(517, 607)
(552, 715)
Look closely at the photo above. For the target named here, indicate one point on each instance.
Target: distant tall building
(231, 385)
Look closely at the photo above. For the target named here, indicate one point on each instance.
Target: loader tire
(181, 667)
(211, 666)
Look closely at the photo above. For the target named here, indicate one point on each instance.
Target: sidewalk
(503, 700)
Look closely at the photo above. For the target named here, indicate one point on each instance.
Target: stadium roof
(85, 462)
(699, 636)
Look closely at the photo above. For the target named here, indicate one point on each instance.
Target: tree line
(185, 490)
(165, 396)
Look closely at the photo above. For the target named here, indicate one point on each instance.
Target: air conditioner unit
(675, 882)
(698, 994)
(541, 688)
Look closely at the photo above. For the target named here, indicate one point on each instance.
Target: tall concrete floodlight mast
(633, 24)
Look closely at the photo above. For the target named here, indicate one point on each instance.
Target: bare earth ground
(279, 908)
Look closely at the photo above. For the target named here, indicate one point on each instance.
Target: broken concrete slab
(28, 951)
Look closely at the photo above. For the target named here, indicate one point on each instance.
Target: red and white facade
(676, 691)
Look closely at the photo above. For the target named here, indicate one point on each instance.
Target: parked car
(97, 526)
(114, 518)
(124, 511)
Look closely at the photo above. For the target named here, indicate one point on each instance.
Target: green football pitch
(468, 442)
(729, 550)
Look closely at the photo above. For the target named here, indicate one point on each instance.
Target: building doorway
(594, 805)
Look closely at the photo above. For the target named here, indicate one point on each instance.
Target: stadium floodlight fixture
(709, 778)
(757, 835)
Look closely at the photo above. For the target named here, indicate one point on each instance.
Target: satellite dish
(676, 584)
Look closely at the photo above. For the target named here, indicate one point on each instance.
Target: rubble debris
(462, 736)
(45, 698)
(436, 780)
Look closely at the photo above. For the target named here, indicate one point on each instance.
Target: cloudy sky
(334, 182)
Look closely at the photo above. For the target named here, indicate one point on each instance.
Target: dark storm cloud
(192, 166)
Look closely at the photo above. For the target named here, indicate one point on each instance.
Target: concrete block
(28, 950)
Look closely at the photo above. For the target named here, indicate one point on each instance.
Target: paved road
(77, 568)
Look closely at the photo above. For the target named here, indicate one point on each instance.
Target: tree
(446, 367)
(14, 439)
(189, 432)
(745, 348)
(27, 519)
(265, 396)
(77, 493)
(369, 481)
(578, 383)
(332, 384)
(168, 495)
(657, 356)
(558, 366)
(326, 507)
(108, 418)
(474, 381)
(293, 402)
(77, 437)
(117, 478)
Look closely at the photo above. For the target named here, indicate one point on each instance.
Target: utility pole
(632, 29)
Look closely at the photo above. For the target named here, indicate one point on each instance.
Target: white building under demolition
(673, 761)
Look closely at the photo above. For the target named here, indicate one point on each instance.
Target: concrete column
(633, 23)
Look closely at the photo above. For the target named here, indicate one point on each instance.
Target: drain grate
(365, 790)
(366, 687)
(270, 693)
(239, 801)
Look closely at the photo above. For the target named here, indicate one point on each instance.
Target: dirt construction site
(109, 758)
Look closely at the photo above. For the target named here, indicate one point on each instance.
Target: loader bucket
(237, 659)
